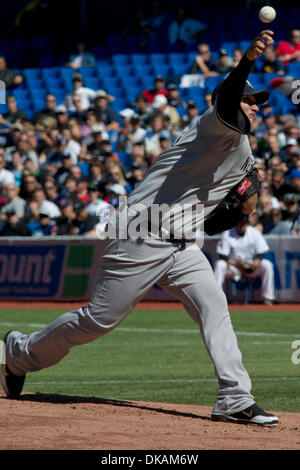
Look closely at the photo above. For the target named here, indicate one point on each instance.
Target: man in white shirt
(6, 176)
(241, 253)
(87, 95)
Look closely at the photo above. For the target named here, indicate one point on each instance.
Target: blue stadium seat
(195, 91)
(32, 73)
(147, 82)
(92, 82)
(133, 92)
(124, 70)
(51, 72)
(88, 71)
(21, 95)
(119, 104)
(177, 57)
(130, 81)
(142, 70)
(293, 69)
(164, 70)
(230, 46)
(244, 45)
(191, 57)
(180, 69)
(139, 59)
(59, 93)
(38, 93)
(105, 70)
(111, 82)
(38, 104)
(256, 79)
(158, 58)
(54, 82)
(212, 82)
(120, 59)
(117, 92)
(35, 83)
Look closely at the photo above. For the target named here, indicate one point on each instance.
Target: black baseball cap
(261, 95)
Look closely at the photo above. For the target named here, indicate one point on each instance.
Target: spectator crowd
(62, 170)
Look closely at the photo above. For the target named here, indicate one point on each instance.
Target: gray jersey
(203, 164)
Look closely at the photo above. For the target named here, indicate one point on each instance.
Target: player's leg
(191, 279)
(224, 271)
(128, 269)
(266, 271)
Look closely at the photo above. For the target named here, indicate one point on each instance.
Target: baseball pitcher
(206, 166)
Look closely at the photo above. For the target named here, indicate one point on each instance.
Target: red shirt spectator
(289, 51)
(159, 89)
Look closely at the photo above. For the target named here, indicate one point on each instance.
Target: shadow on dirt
(68, 399)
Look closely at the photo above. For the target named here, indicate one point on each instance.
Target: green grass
(159, 356)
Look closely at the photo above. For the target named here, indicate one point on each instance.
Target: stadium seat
(92, 82)
(147, 82)
(156, 58)
(139, 59)
(117, 92)
(30, 74)
(293, 69)
(21, 95)
(59, 93)
(128, 82)
(124, 70)
(88, 72)
(119, 104)
(142, 70)
(38, 93)
(38, 104)
(120, 59)
(54, 82)
(256, 79)
(177, 58)
(105, 70)
(212, 82)
(191, 57)
(35, 83)
(180, 69)
(162, 69)
(111, 82)
(132, 92)
(51, 72)
(230, 46)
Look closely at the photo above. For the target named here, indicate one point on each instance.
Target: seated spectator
(61, 116)
(69, 190)
(291, 213)
(278, 226)
(270, 62)
(14, 202)
(38, 203)
(289, 51)
(82, 191)
(131, 132)
(95, 147)
(51, 192)
(164, 140)
(225, 64)
(14, 114)
(86, 222)
(241, 253)
(287, 152)
(79, 111)
(6, 176)
(143, 109)
(97, 206)
(13, 226)
(114, 191)
(97, 177)
(265, 205)
(184, 29)
(29, 184)
(16, 167)
(208, 99)
(45, 226)
(174, 97)
(160, 104)
(48, 111)
(237, 55)
(87, 95)
(205, 62)
(159, 89)
(137, 174)
(81, 58)
(105, 113)
(10, 78)
(69, 146)
(192, 112)
(152, 143)
(116, 176)
(67, 222)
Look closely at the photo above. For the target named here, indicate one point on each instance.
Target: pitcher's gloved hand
(240, 201)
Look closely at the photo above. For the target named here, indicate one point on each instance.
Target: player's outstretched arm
(232, 88)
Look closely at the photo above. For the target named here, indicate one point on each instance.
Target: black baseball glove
(240, 201)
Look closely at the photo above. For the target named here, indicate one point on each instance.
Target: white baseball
(267, 14)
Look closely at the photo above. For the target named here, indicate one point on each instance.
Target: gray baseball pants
(128, 269)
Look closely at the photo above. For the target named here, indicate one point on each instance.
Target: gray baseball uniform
(202, 166)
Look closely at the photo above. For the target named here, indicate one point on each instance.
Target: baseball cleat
(251, 415)
(12, 384)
